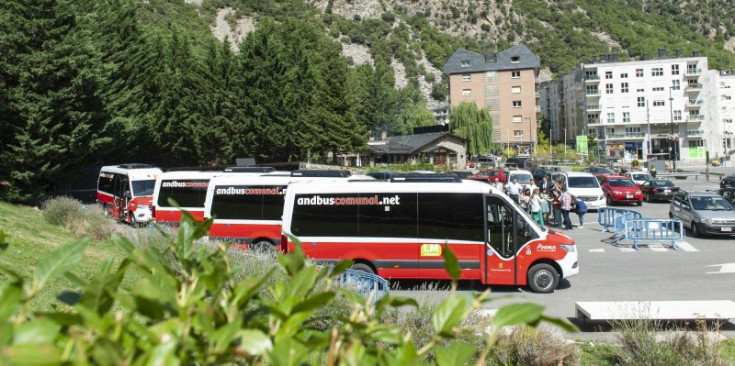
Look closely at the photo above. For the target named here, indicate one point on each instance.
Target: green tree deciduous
(473, 124)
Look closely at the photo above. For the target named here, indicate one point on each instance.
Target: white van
(524, 177)
(126, 191)
(586, 187)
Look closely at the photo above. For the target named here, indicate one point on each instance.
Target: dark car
(515, 163)
(728, 182)
(597, 170)
(540, 173)
(659, 189)
(728, 194)
(462, 174)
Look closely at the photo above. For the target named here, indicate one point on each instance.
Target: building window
(640, 90)
(465, 63)
(592, 90)
(515, 74)
(623, 87)
(516, 104)
(641, 101)
(677, 115)
(626, 117)
(624, 75)
(608, 88)
(593, 118)
(517, 119)
(611, 118)
(632, 129)
(658, 89)
(466, 92)
(676, 84)
(658, 103)
(608, 74)
(657, 71)
(516, 89)
(517, 133)
(675, 69)
(515, 59)
(639, 73)
(466, 77)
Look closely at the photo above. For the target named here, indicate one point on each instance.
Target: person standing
(566, 206)
(581, 208)
(535, 205)
(544, 185)
(498, 185)
(514, 190)
(653, 172)
(556, 205)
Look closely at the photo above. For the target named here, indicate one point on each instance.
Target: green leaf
(313, 302)
(451, 264)
(340, 267)
(163, 354)
(454, 354)
(389, 334)
(58, 262)
(11, 296)
(519, 313)
(560, 323)
(31, 354)
(449, 314)
(99, 294)
(3, 240)
(254, 342)
(36, 332)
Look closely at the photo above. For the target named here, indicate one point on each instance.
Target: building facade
(723, 87)
(664, 107)
(503, 83)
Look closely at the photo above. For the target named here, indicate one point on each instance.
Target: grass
(30, 237)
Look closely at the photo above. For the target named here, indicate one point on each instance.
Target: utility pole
(565, 144)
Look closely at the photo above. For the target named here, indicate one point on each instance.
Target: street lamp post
(565, 144)
(671, 145)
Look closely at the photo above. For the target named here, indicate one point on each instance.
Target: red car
(619, 189)
(488, 176)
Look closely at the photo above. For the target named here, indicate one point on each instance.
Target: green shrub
(189, 307)
(77, 218)
(528, 346)
(60, 211)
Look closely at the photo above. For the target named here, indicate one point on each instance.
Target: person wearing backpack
(535, 207)
(581, 209)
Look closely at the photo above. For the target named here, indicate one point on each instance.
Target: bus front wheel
(543, 278)
(362, 267)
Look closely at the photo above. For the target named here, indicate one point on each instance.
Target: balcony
(593, 93)
(696, 117)
(694, 72)
(592, 79)
(694, 103)
(695, 133)
(694, 87)
(593, 107)
(626, 135)
(594, 122)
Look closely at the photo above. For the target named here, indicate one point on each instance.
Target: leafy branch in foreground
(190, 307)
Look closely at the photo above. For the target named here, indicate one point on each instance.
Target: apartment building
(637, 109)
(505, 84)
(722, 86)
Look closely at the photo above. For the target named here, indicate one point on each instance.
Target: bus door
(506, 232)
(120, 204)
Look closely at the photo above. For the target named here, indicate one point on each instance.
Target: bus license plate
(726, 228)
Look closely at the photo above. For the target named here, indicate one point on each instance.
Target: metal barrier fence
(658, 230)
(366, 284)
(619, 226)
(606, 216)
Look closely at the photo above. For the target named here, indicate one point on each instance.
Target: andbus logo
(349, 201)
(247, 191)
(184, 184)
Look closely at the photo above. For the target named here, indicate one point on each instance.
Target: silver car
(703, 213)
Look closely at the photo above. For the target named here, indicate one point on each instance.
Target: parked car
(639, 178)
(597, 170)
(524, 177)
(585, 186)
(703, 213)
(516, 162)
(728, 182)
(728, 194)
(540, 173)
(490, 175)
(659, 189)
(620, 189)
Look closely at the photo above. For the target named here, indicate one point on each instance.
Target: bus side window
(524, 231)
(500, 226)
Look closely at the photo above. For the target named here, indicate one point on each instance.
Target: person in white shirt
(498, 184)
(514, 190)
(535, 205)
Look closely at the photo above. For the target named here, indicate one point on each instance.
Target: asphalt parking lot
(699, 269)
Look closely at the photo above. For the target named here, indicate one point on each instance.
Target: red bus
(398, 229)
(125, 191)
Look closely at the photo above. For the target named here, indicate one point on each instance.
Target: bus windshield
(143, 187)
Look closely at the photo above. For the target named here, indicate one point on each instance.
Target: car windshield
(583, 182)
(522, 178)
(662, 183)
(143, 187)
(710, 204)
(621, 183)
(602, 171)
(641, 177)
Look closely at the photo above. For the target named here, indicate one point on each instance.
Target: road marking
(686, 246)
(724, 268)
(658, 248)
(628, 250)
(597, 250)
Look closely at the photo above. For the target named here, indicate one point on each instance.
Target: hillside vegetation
(88, 82)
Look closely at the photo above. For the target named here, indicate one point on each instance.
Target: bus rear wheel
(362, 267)
(262, 247)
(543, 278)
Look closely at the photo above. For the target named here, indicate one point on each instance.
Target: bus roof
(134, 174)
(345, 186)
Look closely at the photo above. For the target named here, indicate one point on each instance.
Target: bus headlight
(569, 248)
(143, 207)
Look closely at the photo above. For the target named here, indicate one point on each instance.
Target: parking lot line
(628, 250)
(597, 250)
(686, 246)
(658, 248)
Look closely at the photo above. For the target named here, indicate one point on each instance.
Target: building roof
(502, 60)
(407, 144)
